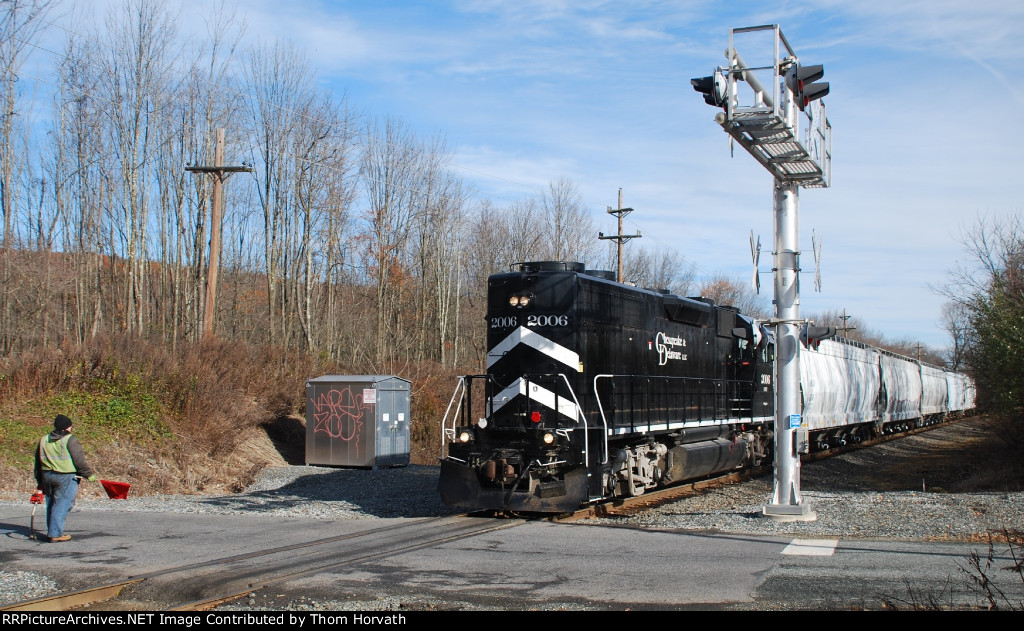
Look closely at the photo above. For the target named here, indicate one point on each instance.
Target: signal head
(801, 82)
(713, 87)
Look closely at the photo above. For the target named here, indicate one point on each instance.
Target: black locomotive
(596, 389)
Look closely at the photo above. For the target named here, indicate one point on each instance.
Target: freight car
(596, 389)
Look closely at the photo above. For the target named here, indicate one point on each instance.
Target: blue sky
(922, 104)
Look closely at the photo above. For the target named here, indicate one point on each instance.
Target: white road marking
(812, 547)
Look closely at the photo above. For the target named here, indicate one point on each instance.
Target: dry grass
(204, 419)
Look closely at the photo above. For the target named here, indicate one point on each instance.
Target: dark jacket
(77, 456)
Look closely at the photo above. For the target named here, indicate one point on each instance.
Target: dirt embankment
(968, 455)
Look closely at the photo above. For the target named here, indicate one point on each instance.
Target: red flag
(116, 490)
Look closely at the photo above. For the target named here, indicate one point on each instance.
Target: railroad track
(209, 584)
(206, 585)
(623, 507)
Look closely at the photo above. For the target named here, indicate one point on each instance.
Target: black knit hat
(61, 423)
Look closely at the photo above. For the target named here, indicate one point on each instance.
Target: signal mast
(781, 122)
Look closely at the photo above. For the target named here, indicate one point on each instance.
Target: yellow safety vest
(54, 455)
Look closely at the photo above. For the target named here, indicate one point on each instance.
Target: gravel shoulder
(940, 485)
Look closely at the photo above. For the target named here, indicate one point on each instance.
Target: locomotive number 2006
(507, 322)
(504, 322)
(547, 320)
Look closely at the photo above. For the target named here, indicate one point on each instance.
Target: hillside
(203, 420)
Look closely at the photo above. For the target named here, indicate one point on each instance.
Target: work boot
(60, 538)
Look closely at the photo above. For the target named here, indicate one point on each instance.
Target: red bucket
(116, 490)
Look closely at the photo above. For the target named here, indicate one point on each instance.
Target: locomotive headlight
(464, 437)
(519, 301)
(548, 438)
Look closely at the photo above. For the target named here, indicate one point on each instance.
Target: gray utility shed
(357, 421)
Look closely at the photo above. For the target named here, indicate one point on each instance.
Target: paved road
(533, 565)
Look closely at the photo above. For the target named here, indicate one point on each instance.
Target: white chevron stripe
(509, 393)
(543, 396)
(523, 335)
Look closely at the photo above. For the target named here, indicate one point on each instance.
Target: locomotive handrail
(445, 432)
(463, 391)
(719, 385)
(580, 418)
(604, 420)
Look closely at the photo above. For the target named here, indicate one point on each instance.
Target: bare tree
(569, 230)
(496, 239)
(20, 22)
(323, 151)
(659, 269)
(134, 79)
(389, 168)
(279, 83)
(79, 181)
(438, 251)
(992, 246)
(956, 320)
(988, 292)
(334, 236)
(726, 292)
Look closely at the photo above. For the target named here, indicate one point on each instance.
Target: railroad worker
(60, 465)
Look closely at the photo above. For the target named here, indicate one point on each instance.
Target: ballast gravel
(844, 503)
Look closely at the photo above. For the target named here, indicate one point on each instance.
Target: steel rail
(621, 507)
(212, 602)
(70, 600)
(91, 595)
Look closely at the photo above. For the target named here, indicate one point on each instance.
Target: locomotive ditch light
(548, 438)
(465, 436)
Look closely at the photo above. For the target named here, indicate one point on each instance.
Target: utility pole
(220, 173)
(621, 212)
(845, 328)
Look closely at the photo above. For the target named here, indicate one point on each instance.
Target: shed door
(392, 435)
